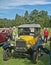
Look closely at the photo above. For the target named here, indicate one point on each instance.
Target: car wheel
(5, 56)
(35, 57)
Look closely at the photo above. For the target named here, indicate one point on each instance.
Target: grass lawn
(23, 61)
(44, 60)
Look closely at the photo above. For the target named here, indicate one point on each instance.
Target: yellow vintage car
(26, 43)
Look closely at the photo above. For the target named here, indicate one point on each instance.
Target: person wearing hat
(14, 32)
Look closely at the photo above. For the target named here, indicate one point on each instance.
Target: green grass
(24, 61)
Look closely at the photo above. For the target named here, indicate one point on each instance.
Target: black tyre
(5, 56)
(35, 57)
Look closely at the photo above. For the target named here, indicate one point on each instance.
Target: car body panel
(29, 39)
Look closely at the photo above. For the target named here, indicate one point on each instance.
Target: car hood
(29, 39)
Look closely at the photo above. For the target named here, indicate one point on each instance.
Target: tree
(50, 21)
(33, 16)
(43, 18)
(26, 17)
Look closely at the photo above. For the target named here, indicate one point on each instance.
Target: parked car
(26, 42)
(2, 39)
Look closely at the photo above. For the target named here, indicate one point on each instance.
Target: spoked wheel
(35, 57)
(6, 55)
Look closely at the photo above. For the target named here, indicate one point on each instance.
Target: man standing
(46, 33)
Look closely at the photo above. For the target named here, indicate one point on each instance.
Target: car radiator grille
(20, 43)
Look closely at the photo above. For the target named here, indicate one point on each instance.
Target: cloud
(11, 4)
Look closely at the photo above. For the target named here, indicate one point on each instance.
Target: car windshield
(28, 31)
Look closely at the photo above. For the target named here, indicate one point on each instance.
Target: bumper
(20, 52)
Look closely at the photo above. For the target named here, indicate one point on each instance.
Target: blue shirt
(39, 43)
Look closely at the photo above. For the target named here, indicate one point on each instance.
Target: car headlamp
(28, 45)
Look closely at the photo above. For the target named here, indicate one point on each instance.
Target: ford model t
(26, 43)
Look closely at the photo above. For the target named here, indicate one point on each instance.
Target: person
(40, 45)
(10, 29)
(9, 33)
(46, 34)
(15, 33)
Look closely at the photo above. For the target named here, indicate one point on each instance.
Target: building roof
(29, 25)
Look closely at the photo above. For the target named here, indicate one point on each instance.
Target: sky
(9, 8)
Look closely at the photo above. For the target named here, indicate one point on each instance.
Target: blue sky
(9, 8)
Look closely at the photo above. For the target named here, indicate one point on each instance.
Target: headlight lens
(28, 45)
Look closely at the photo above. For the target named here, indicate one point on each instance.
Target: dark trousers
(45, 38)
(44, 49)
